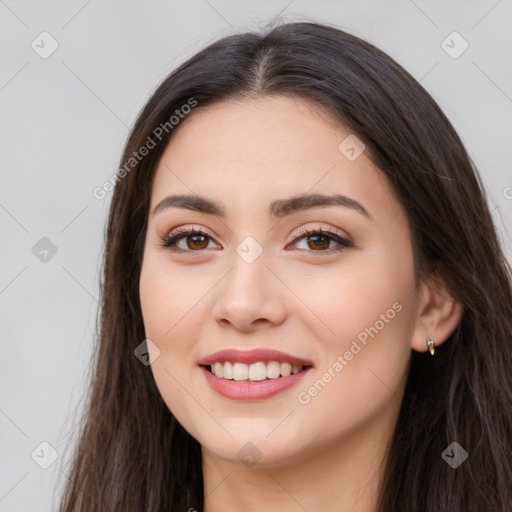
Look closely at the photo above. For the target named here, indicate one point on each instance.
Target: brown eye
(195, 241)
(319, 241)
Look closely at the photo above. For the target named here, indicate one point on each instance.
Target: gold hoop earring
(431, 345)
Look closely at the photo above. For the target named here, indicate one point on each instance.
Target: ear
(437, 314)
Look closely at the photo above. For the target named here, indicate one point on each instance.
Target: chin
(251, 448)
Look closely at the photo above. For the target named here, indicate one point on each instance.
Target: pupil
(195, 242)
(317, 243)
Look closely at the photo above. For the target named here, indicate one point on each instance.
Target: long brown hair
(132, 454)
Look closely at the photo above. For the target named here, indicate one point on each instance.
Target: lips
(252, 375)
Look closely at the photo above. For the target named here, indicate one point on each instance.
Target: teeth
(240, 371)
(273, 369)
(218, 369)
(227, 370)
(286, 369)
(255, 371)
(296, 369)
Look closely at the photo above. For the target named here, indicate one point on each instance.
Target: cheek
(368, 292)
(168, 315)
(167, 300)
(369, 307)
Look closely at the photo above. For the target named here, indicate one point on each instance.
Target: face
(267, 285)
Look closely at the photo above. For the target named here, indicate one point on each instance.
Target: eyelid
(305, 230)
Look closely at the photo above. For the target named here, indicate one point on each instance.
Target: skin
(326, 454)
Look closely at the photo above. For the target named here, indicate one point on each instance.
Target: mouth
(252, 375)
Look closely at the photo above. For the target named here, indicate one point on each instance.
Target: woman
(305, 304)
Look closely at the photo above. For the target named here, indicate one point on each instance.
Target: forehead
(261, 132)
(246, 151)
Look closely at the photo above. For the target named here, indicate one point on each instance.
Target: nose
(250, 297)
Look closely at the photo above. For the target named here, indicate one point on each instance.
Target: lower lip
(251, 390)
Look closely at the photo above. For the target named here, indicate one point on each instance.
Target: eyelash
(343, 243)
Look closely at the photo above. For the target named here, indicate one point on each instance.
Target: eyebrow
(278, 209)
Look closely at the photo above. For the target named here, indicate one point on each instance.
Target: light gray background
(65, 119)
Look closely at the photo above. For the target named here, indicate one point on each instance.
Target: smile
(256, 374)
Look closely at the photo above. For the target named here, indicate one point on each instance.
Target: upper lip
(252, 356)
